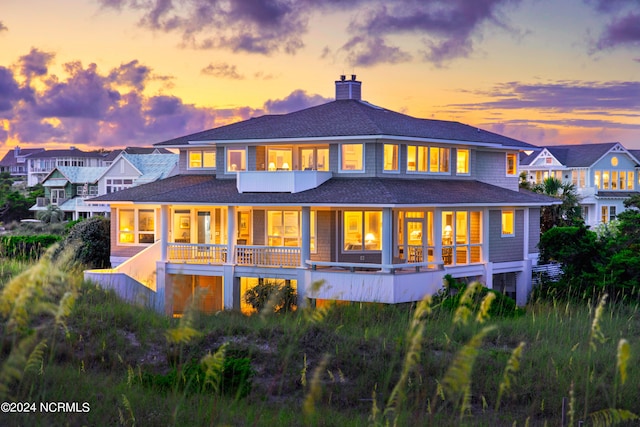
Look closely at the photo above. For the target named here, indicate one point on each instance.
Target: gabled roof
(152, 167)
(78, 174)
(207, 189)
(136, 150)
(346, 118)
(582, 155)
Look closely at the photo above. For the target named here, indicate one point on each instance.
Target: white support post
(387, 237)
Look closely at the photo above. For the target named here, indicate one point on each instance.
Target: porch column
(437, 235)
(164, 231)
(387, 237)
(305, 250)
(232, 234)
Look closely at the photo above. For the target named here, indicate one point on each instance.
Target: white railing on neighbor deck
(197, 253)
(268, 256)
(392, 268)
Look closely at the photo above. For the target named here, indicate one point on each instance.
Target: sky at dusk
(115, 73)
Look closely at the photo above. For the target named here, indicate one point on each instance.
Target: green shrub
(26, 247)
(281, 296)
(92, 240)
(449, 299)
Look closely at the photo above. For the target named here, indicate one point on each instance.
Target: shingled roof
(335, 192)
(582, 155)
(346, 118)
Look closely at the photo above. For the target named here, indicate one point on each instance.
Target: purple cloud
(257, 26)
(297, 100)
(3, 27)
(621, 31)
(132, 74)
(368, 51)
(35, 63)
(268, 26)
(87, 106)
(10, 90)
(222, 70)
(563, 96)
(446, 27)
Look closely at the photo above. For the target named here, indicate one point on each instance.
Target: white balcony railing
(268, 256)
(195, 253)
(280, 181)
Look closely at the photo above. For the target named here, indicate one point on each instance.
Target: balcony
(245, 255)
(280, 181)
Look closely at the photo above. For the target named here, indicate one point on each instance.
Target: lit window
(508, 223)
(630, 180)
(279, 159)
(417, 158)
(202, 159)
(362, 231)
(461, 237)
(596, 179)
(439, 160)
(136, 226)
(462, 161)
(512, 164)
(126, 226)
(390, 157)
(236, 159)
(314, 159)
(352, 157)
(614, 161)
(283, 228)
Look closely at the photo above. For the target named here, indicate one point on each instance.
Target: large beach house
(345, 201)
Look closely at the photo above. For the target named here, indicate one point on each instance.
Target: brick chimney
(348, 89)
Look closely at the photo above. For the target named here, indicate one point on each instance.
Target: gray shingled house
(376, 205)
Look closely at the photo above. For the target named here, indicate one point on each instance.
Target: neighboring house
(68, 187)
(15, 162)
(604, 175)
(40, 164)
(111, 156)
(345, 201)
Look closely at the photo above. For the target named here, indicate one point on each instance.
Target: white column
(164, 231)
(305, 250)
(387, 237)
(232, 234)
(437, 235)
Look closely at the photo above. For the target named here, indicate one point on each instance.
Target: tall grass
(347, 365)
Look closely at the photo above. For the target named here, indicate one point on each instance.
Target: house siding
(490, 167)
(534, 230)
(505, 249)
(325, 236)
(259, 224)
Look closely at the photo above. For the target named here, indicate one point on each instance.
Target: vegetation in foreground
(431, 363)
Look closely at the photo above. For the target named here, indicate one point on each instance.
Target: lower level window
(608, 213)
(362, 231)
(136, 226)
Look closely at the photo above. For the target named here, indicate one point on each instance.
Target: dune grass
(64, 340)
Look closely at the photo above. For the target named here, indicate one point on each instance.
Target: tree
(568, 213)
(91, 241)
(53, 214)
(14, 205)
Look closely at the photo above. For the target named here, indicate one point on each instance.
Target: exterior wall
(325, 236)
(534, 230)
(490, 167)
(259, 226)
(505, 249)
